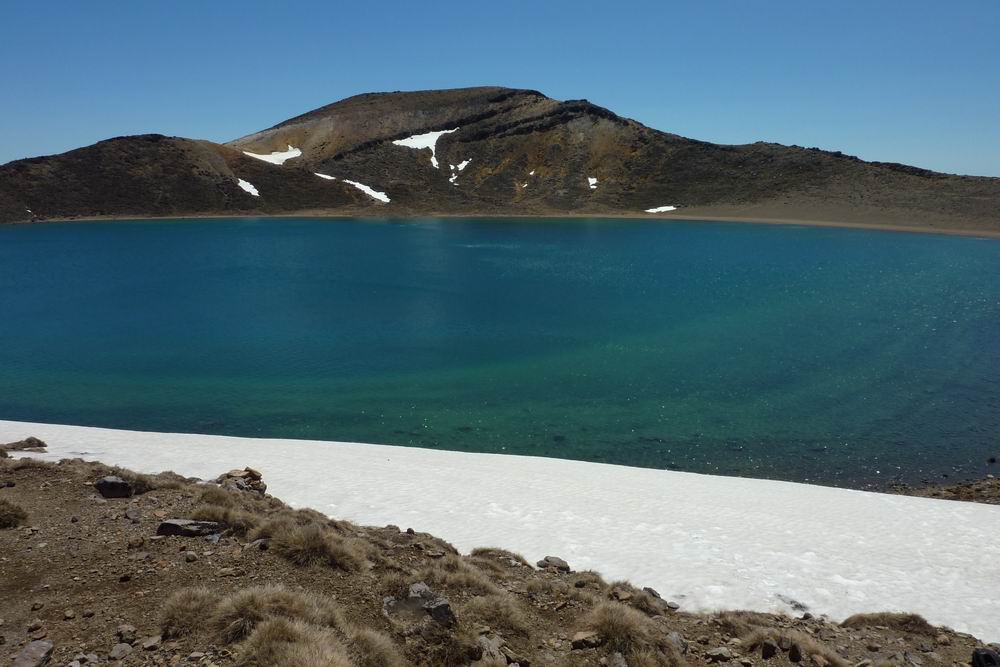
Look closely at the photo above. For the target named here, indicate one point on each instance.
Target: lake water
(838, 356)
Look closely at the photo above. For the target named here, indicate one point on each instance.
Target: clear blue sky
(914, 81)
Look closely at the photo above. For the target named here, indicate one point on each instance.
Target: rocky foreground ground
(100, 565)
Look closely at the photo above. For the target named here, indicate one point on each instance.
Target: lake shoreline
(677, 216)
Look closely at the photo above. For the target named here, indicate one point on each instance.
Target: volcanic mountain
(483, 151)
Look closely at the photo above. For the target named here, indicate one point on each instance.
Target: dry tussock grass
(311, 544)
(497, 554)
(807, 645)
(187, 611)
(236, 520)
(906, 622)
(453, 572)
(216, 495)
(501, 612)
(282, 642)
(11, 515)
(238, 614)
(370, 648)
(634, 635)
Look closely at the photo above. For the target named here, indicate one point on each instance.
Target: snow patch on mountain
(277, 157)
(592, 182)
(425, 140)
(381, 196)
(661, 209)
(248, 187)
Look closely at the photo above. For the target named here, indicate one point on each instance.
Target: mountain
(483, 151)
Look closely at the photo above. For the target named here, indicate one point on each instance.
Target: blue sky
(909, 81)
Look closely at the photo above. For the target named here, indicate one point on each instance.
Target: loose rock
(113, 487)
(35, 654)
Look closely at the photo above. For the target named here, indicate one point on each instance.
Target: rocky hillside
(489, 151)
(100, 565)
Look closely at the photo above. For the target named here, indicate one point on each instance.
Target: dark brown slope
(503, 135)
(154, 175)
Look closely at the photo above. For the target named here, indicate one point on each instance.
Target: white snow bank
(277, 157)
(707, 542)
(661, 209)
(592, 182)
(426, 140)
(463, 164)
(531, 173)
(381, 196)
(246, 185)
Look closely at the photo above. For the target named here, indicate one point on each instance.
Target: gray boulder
(553, 562)
(35, 654)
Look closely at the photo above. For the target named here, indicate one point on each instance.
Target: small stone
(136, 542)
(678, 642)
(943, 639)
(35, 606)
(746, 662)
(151, 643)
(190, 556)
(125, 633)
(88, 613)
(69, 614)
(196, 655)
(113, 487)
(720, 654)
(586, 639)
(819, 660)
(440, 610)
(768, 649)
(35, 624)
(132, 514)
(795, 653)
(421, 590)
(120, 651)
(874, 648)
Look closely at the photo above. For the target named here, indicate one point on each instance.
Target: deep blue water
(841, 356)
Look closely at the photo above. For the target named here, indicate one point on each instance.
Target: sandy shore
(674, 216)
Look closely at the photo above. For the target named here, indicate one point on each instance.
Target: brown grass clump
(494, 553)
(269, 528)
(305, 545)
(453, 572)
(238, 614)
(11, 515)
(622, 628)
(187, 611)
(395, 584)
(215, 495)
(281, 642)
(906, 622)
(370, 648)
(629, 632)
(500, 612)
(238, 521)
(807, 645)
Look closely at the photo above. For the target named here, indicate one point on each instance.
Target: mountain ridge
(493, 151)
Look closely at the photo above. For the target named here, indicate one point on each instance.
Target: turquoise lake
(846, 357)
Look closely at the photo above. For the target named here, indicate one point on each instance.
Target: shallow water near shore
(839, 356)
